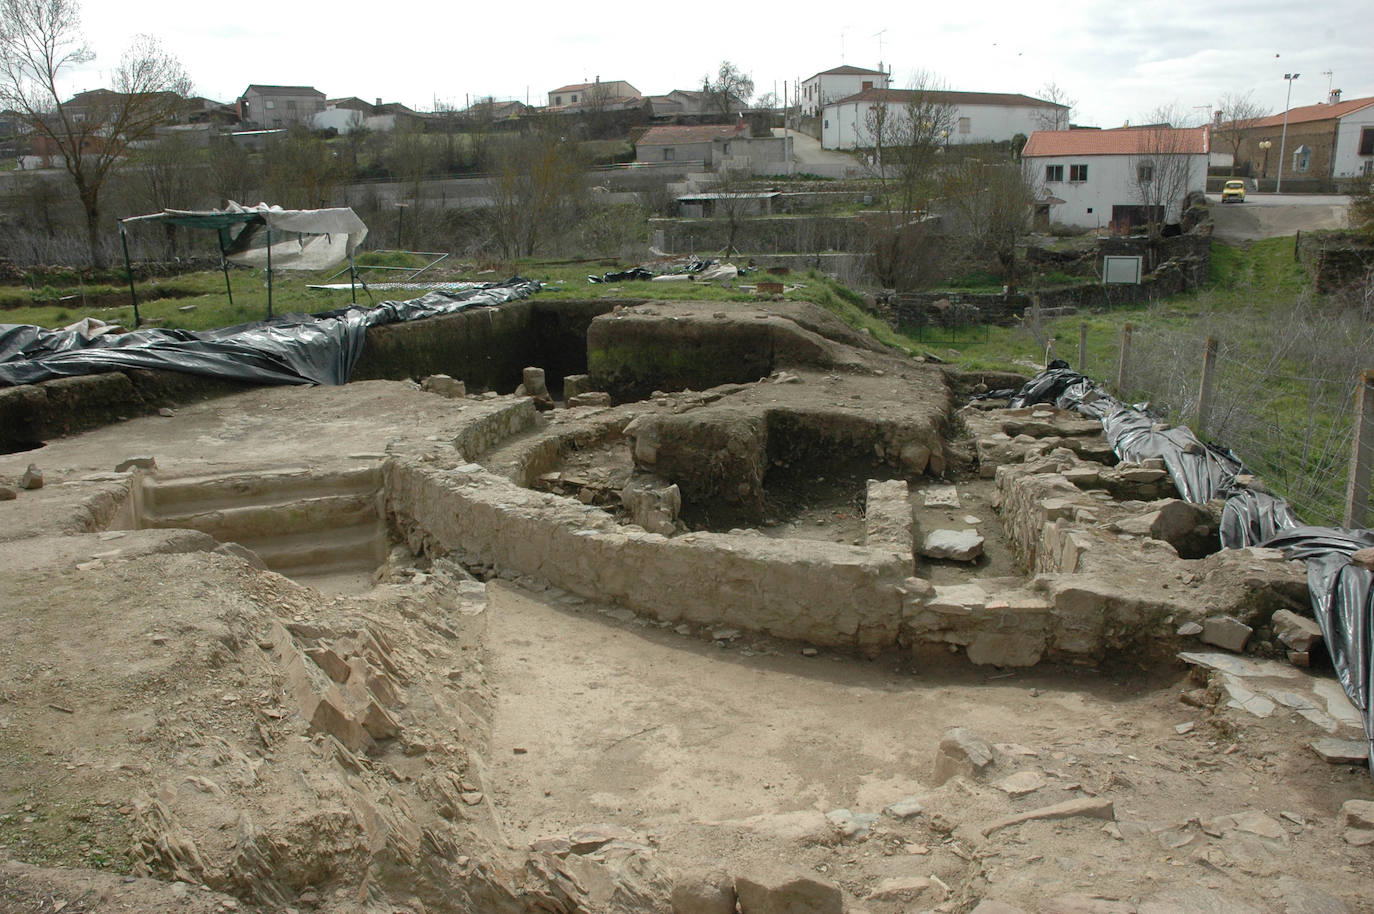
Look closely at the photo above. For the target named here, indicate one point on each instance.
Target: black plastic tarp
(1340, 592)
(290, 349)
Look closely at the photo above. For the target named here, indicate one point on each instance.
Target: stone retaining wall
(822, 593)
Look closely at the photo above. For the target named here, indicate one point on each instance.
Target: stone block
(1000, 649)
(1226, 632)
(962, 753)
(32, 478)
(704, 892)
(887, 516)
(1298, 632)
(141, 462)
(445, 386)
(575, 384)
(590, 398)
(788, 894)
(1357, 814)
(954, 545)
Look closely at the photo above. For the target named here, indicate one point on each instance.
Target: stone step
(261, 521)
(198, 495)
(320, 551)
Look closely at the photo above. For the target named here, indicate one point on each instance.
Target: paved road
(1257, 199)
(807, 150)
(1273, 215)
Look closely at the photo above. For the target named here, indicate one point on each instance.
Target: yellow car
(1233, 190)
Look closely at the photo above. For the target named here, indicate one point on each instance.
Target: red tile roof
(575, 87)
(1315, 113)
(1122, 141)
(704, 133)
(904, 96)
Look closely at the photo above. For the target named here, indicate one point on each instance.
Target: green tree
(40, 42)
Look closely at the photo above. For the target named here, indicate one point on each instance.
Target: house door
(1041, 221)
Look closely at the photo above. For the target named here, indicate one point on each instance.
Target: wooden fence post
(1121, 365)
(1361, 455)
(1083, 348)
(1207, 386)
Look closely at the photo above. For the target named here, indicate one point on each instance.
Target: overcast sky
(1117, 60)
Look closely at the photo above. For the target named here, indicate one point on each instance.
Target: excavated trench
(664, 577)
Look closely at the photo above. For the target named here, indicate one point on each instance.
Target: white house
(977, 117)
(832, 85)
(1088, 179)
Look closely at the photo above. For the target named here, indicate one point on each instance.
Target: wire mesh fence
(1281, 394)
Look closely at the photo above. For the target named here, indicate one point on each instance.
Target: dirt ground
(148, 749)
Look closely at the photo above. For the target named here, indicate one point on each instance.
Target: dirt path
(722, 750)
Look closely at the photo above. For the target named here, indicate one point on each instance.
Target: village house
(1089, 179)
(279, 106)
(689, 104)
(832, 85)
(719, 147)
(975, 117)
(1327, 141)
(612, 95)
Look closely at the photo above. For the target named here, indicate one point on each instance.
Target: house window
(827, 124)
(725, 149)
(558, 99)
(1302, 158)
(1144, 173)
(291, 104)
(1367, 141)
(574, 99)
(868, 84)
(1078, 173)
(271, 104)
(1054, 173)
(964, 125)
(667, 153)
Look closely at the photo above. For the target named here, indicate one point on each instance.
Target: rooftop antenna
(842, 34)
(1327, 74)
(879, 35)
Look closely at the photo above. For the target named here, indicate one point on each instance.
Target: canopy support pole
(269, 271)
(224, 265)
(129, 269)
(352, 279)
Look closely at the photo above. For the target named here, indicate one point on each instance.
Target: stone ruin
(677, 478)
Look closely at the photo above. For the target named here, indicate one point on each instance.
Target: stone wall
(1335, 259)
(822, 593)
(760, 234)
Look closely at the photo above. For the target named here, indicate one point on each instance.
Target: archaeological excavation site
(678, 607)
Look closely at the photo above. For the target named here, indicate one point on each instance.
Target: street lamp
(1283, 142)
(1264, 144)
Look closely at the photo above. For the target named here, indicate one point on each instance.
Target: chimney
(379, 102)
(1333, 97)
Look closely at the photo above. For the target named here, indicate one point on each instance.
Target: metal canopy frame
(248, 224)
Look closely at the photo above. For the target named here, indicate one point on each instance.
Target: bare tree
(729, 91)
(40, 40)
(1239, 112)
(234, 172)
(989, 205)
(1057, 118)
(536, 179)
(906, 133)
(169, 173)
(1162, 170)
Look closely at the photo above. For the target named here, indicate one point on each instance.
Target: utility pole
(1283, 142)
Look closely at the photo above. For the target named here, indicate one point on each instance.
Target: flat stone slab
(954, 545)
(1341, 751)
(1238, 666)
(940, 497)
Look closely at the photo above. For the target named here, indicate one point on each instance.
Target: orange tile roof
(1314, 113)
(1119, 142)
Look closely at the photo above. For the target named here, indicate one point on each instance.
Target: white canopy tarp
(301, 239)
